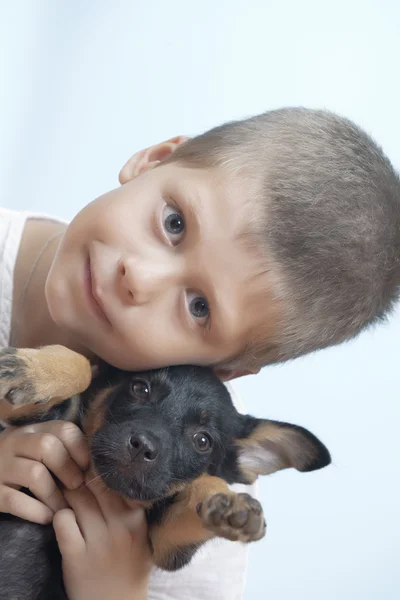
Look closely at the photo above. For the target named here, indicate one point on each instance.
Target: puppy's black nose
(144, 447)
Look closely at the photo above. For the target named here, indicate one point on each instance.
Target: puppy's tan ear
(270, 446)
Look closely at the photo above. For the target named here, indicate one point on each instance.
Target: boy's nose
(142, 281)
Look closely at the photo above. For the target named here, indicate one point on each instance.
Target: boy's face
(153, 273)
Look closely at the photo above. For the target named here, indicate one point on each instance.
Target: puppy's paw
(236, 517)
(17, 377)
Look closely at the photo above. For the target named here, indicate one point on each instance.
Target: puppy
(169, 438)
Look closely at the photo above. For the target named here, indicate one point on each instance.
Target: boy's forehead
(218, 194)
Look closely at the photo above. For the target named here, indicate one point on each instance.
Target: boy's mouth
(90, 287)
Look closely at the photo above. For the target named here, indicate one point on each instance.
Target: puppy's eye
(202, 442)
(141, 389)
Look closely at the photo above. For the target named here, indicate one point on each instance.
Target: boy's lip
(94, 300)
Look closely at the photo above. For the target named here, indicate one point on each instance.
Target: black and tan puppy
(170, 438)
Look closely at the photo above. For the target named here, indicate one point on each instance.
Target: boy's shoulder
(22, 235)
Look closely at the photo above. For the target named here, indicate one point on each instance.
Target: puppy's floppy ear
(264, 447)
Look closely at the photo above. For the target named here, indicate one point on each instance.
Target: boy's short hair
(328, 216)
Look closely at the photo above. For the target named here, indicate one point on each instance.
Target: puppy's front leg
(207, 508)
(33, 380)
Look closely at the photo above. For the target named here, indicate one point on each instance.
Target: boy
(254, 243)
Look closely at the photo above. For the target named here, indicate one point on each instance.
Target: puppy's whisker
(93, 479)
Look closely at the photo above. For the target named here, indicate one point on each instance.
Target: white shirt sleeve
(11, 227)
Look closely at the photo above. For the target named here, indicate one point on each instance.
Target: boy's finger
(116, 510)
(110, 504)
(87, 512)
(135, 520)
(20, 505)
(35, 476)
(69, 537)
(70, 435)
(48, 449)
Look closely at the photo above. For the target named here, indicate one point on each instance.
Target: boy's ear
(268, 446)
(150, 157)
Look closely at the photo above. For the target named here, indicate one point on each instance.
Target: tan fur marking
(177, 488)
(53, 374)
(94, 419)
(182, 525)
(57, 371)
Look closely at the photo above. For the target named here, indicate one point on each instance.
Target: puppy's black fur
(151, 435)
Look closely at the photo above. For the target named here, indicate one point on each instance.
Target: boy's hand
(104, 546)
(29, 456)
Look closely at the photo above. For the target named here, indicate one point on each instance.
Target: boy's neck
(31, 323)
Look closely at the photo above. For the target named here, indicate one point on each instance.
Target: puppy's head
(153, 432)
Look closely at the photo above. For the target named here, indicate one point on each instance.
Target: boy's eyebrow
(190, 198)
(191, 203)
(221, 322)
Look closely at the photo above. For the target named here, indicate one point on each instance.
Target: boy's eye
(174, 224)
(198, 306)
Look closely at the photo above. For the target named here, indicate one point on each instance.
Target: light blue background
(84, 84)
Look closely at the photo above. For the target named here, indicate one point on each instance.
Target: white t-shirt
(218, 569)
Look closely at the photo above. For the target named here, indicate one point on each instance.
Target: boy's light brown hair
(327, 206)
